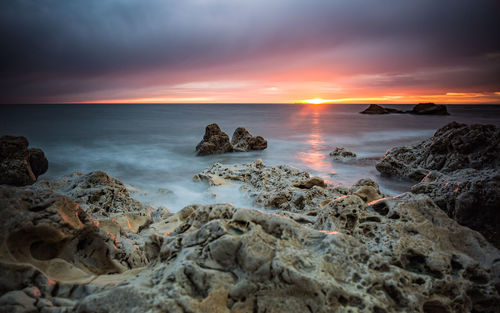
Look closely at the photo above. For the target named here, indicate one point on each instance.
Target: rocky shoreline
(83, 244)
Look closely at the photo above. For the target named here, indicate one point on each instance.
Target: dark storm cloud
(63, 47)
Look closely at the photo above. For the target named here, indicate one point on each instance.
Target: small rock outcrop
(20, 166)
(214, 141)
(375, 109)
(243, 141)
(459, 168)
(419, 109)
(429, 109)
(342, 154)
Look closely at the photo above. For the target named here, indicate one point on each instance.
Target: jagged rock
(278, 187)
(100, 195)
(429, 109)
(223, 259)
(243, 141)
(469, 196)
(18, 165)
(214, 141)
(342, 154)
(464, 161)
(453, 147)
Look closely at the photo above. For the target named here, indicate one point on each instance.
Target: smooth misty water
(151, 146)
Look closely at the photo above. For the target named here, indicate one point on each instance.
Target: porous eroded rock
(99, 194)
(459, 169)
(224, 259)
(243, 141)
(453, 147)
(214, 141)
(20, 166)
(342, 154)
(429, 109)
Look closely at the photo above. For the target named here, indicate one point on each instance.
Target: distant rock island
(420, 109)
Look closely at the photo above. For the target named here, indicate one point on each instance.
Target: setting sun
(315, 101)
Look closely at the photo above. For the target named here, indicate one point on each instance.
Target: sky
(371, 51)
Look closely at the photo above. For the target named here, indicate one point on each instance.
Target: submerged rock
(429, 109)
(214, 141)
(342, 154)
(459, 168)
(20, 166)
(243, 141)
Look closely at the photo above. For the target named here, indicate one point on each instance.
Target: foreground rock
(323, 249)
(342, 154)
(243, 141)
(459, 168)
(20, 166)
(419, 109)
(214, 141)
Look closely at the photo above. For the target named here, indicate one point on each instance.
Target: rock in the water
(243, 141)
(375, 109)
(419, 109)
(429, 109)
(342, 154)
(464, 161)
(214, 141)
(18, 165)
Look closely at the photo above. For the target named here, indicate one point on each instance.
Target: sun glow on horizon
(315, 101)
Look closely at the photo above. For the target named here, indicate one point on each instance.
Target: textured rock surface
(464, 181)
(18, 165)
(324, 249)
(243, 141)
(342, 154)
(214, 141)
(429, 109)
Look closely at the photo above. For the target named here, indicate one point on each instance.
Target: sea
(151, 147)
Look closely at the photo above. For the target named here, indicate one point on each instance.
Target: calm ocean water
(151, 146)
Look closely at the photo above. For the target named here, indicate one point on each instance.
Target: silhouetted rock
(214, 141)
(342, 154)
(375, 109)
(243, 141)
(429, 109)
(38, 162)
(465, 178)
(18, 165)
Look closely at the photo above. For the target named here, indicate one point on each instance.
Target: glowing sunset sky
(384, 51)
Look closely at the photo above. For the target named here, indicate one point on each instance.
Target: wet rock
(243, 141)
(17, 302)
(429, 109)
(18, 165)
(342, 154)
(309, 183)
(214, 141)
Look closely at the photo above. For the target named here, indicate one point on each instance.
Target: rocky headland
(215, 141)
(83, 244)
(419, 109)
